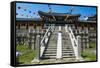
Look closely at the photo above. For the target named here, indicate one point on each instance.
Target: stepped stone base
(64, 60)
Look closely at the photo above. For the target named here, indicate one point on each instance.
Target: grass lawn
(27, 54)
(92, 45)
(89, 54)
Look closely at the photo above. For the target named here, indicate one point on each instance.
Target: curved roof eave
(58, 14)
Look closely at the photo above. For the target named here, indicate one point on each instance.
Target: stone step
(56, 48)
(66, 42)
(52, 46)
(63, 55)
(71, 55)
(48, 52)
(51, 51)
(56, 51)
(68, 56)
(66, 46)
(53, 54)
(67, 51)
(63, 49)
(49, 57)
(65, 37)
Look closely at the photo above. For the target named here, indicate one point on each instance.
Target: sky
(29, 10)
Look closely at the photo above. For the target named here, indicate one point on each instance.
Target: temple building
(59, 32)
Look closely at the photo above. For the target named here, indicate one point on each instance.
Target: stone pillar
(79, 46)
(37, 50)
(79, 49)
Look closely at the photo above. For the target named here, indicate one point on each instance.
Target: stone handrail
(44, 41)
(74, 41)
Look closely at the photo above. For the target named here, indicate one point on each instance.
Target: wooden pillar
(27, 25)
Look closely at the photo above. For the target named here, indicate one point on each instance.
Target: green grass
(22, 48)
(27, 58)
(27, 54)
(89, 56)
(92, 45)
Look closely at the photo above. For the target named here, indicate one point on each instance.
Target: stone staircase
(51, 49)
(67, 49)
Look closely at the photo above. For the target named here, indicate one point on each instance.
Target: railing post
(79, 46)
